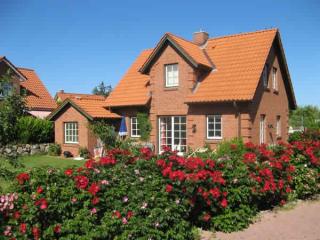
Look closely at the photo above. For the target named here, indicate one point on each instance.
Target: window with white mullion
(135, 131)
(71, 132)
(172, 75)
(214, 127)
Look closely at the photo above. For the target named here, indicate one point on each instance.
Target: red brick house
(38, 100)
(72, 119)
(209, 89)
(201, 92)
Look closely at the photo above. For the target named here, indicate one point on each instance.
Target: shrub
(104, 200)
(35, 130)
(54, 149)
(105, 132)
(144, 126)
(84, 152)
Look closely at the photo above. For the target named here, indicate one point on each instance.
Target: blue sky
(74, 45)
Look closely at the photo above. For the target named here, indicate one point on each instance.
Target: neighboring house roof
(90, 108)
(236, 62)
(38, 97)
(12, 67)
(61, 96)
(132, 88)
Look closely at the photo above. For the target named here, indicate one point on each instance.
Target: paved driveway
(299, 223)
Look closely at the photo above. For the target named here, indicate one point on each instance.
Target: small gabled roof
(190, 51)
(90, 108)
(61, 95)
(38, 97)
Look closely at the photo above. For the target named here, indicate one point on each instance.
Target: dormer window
(172, 75)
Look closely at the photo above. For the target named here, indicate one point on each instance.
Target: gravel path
(302, 222)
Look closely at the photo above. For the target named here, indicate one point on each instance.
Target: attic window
(265, 76)
(172, 75)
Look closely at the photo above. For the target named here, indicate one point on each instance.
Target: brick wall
(86, 138)
(271, 104)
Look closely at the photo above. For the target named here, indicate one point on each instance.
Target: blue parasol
(123, 127)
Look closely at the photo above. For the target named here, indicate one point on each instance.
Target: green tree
(102, 90)
(12, 107)
(307, 117)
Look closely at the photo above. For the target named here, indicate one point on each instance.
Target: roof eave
(293, 102)
(15, 69)
(166, 38)
(63, 105)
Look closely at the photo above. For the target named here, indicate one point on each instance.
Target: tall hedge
(34, 130)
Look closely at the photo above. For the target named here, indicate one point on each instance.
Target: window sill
(138, 136)
(213, 140)
(71, 144)
(171, 88)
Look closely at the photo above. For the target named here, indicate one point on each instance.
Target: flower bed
(134, 194)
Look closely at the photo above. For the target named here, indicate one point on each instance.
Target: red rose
(109, 160)
(129, 214)
(169, 188)
(36, 233)
(81, 182)
(39, 190)
(116, 214)
(89, 164)
(23, 177)
(57, 228)
(95, 200)
(206, 217)
(68, 172)
(42, 203)
(16, 215)
(94, 188)
(224, 203)
(23, 228)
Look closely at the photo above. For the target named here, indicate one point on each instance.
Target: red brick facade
(239, 119)
(86, 138)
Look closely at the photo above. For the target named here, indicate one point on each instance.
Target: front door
(173, 133)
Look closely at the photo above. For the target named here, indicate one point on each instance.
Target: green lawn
(36, 161)
(45, 160)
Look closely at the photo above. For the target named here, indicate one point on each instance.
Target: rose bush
(131, 193)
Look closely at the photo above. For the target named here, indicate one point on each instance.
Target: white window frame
(265, 76)
(262, 129)
(175, 82)
(7, 90)
(278, 126)
(136, 128)
(275, 78)
(71, 132)
(170, 133)
(214, 127)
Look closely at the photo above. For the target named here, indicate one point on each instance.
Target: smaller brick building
(72, 119)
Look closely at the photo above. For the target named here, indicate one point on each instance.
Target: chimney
(61, 91)
(200, 37)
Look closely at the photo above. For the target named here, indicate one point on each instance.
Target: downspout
(238, 114)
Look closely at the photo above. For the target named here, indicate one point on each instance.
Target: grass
(30, 162)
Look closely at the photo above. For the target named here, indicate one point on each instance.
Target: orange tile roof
(192, 49)
(38, 97)
(63, 96)
(91, 108)
(95, 108)
(132, 88)
(237, 62)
